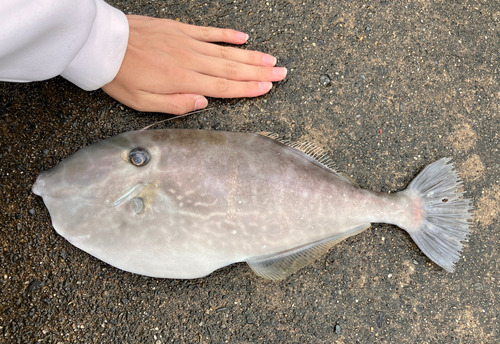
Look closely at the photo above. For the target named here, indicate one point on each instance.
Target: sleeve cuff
(100, 59)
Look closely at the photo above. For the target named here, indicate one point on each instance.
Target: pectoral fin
(147, 197)
(281, 265)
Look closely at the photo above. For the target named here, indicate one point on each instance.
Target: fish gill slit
(124, 197)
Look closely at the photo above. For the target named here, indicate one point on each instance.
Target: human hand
(170, 67)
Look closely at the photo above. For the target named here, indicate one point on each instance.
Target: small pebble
(33, 285)
(31, 211)
(324, 80)
(338, 330)
(380, 319)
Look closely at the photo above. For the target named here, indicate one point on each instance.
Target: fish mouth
(39, 185)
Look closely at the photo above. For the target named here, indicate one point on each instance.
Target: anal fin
(282, 264)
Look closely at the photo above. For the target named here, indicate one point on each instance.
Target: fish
(181, 203)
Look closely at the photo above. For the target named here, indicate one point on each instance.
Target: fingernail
(200, 103)
(242, 36)
(265, 85)
(269, 60)
(280, 72)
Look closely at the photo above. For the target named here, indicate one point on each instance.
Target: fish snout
(39, 185)
(47, 182)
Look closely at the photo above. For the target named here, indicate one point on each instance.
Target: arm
(148, 64)
(84, 41)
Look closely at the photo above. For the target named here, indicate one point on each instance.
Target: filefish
(183, 203)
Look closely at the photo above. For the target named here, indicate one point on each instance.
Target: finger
(176, 104)
(172, 79)
(250, 57)
(220, 87)
(237, 71)
(212, 34)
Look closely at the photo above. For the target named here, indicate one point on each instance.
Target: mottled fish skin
(206, 199)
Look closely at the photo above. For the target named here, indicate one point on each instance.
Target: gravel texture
(386, 87)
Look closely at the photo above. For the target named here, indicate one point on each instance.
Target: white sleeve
(82, 40)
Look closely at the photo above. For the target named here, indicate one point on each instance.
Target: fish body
(183, 203)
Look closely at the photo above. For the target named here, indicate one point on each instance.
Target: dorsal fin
(283, 264)
(308, 148)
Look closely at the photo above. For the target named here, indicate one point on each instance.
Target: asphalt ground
(385, 87)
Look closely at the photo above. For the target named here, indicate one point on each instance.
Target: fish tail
(443, 223)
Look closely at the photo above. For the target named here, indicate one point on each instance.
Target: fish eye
(138, 156)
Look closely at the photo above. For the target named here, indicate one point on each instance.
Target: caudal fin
(445, 214)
